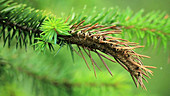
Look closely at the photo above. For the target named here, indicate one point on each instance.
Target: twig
(92, 59)
(104, 63)
(84, 58)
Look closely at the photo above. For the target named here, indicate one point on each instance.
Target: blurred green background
(159, 85)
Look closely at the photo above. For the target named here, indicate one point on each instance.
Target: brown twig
(104, 64)
(107, 57)
(92, 58)
(84, 58)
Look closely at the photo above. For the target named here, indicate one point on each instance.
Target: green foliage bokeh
(78, 72)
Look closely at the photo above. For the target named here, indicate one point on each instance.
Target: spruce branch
(97, 31)
(153, 26)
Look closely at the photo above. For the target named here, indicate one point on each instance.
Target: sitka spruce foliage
(19, 23)
(96, 32)
(19, 17)
(50, 28)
